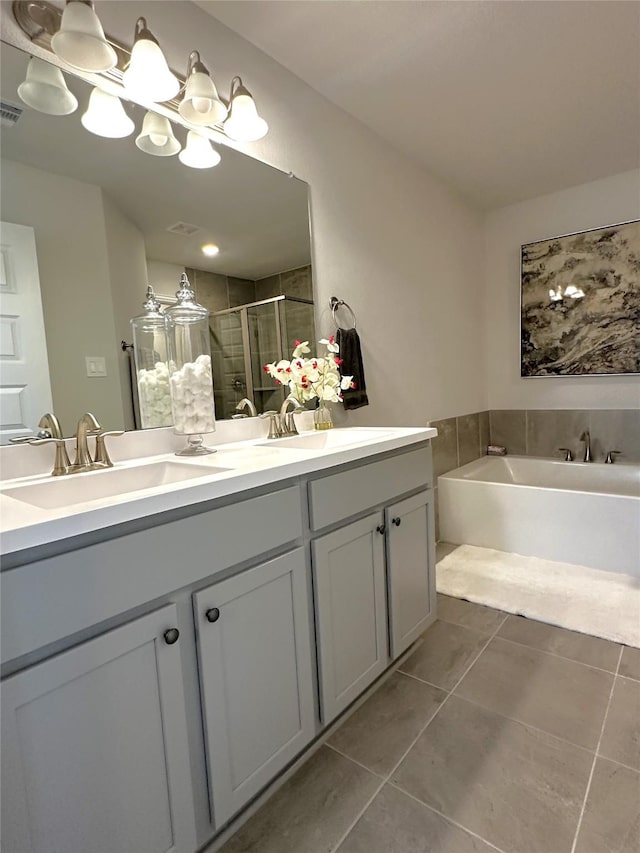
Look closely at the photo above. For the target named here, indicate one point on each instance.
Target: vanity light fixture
(80, 41)
(45, 89)
(148, 76)
(198, 152)
(201, 103)
(76, 36)
(105, 116)
(210, 249)
(156, 136)
(243, 123)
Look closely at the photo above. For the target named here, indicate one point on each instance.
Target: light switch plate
(96, 366)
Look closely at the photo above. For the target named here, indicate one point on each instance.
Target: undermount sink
(59, 492)
(329, 439)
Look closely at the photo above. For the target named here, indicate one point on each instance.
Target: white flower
(302, 348)
(330, 344)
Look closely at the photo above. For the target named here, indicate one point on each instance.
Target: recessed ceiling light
(210, 249)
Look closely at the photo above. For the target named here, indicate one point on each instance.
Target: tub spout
(587, 445)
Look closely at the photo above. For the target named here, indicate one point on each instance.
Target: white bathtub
(588, 514)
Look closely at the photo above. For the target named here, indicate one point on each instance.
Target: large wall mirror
(88, 222)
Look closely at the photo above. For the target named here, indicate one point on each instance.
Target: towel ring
(335, 304)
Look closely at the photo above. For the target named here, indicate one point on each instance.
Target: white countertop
(250, 464)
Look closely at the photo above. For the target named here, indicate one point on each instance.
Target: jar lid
(151, 307)
(186, 307)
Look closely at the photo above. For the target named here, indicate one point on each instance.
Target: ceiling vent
(184, 229)
(9, 114)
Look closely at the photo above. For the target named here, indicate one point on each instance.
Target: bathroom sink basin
(59, 492)
(329, 439)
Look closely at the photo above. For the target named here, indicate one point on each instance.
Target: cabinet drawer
(115, 576)
(340, 496)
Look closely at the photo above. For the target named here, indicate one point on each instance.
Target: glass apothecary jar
(150, 358)
(190, 376)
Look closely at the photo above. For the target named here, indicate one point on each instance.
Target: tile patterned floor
(498, 734)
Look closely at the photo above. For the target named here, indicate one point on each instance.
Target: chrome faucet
(286, 418)
(246, 403)
(611, 456)
(587, 445)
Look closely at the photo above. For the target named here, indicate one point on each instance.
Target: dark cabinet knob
(380, 529)
(396, 521)
(171, 636)
(212, 614)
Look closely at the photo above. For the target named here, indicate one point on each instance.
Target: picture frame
(580, 303)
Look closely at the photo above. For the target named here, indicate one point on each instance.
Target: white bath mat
(604, 604)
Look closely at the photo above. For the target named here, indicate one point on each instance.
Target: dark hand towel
(351, 355)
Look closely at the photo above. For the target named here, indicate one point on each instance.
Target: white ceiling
(257, 215)
(502, 100)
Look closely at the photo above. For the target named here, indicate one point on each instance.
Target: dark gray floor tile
(446, 651)
(561, 697)
(311, 812)
(630, 663)
(443, 549)
(395, 823)
(611, 820)
(469, 615)
(382, 729)
(569, 644)
(621, 737)
(516, 787)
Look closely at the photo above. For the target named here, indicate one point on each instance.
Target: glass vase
(322, 416)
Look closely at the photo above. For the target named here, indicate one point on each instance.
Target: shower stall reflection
(245, 338)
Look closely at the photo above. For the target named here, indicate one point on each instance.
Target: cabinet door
(351, 613)
(94, 748)
(255, 670)
(410, 569)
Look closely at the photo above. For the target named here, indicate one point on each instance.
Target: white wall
(68, 219)
(604, 202)
(164, 277)
(128, 276)
(393, 242)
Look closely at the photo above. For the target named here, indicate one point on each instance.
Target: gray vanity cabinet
(255, 672)
(410, 534)
(351, 612)
(95, 753)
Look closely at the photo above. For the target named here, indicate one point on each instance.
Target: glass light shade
(244, 124)
(148, 76)
(44, 89)
(156, 136)
(198, 152)
(201, 104)
(105, 116)
(80, 41)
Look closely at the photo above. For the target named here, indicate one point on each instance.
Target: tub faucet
(587, 445)
(568, 455)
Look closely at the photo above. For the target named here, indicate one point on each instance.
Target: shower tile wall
(297, 283)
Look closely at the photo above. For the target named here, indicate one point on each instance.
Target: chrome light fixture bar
(236, 117)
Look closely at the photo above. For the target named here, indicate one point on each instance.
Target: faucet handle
(568, 455)
(275, 427)
(62, 463)
(102, 454)
(611, 456)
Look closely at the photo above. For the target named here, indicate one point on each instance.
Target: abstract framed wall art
(580, 303)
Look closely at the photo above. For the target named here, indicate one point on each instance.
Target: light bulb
(148, 77)
(156, 136)
(198, 152)
(80, 41)
(105, 116)
(244, 124)
(210, 249)
(44, 89)
(201, 104)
